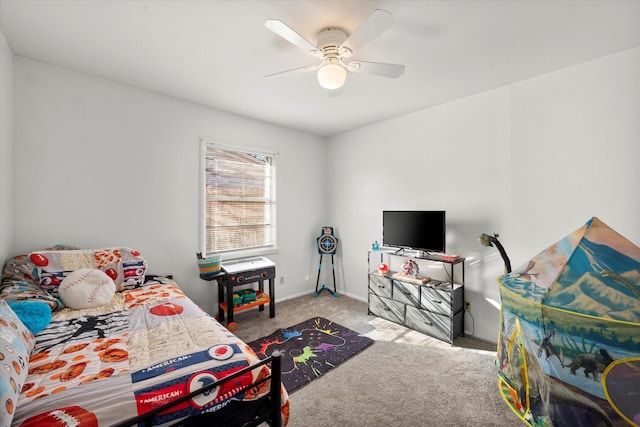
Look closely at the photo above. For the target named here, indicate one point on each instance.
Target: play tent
(569, 344)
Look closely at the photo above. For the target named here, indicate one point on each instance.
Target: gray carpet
(404, 379)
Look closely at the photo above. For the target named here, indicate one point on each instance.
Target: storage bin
(248, 295)
(210, 267)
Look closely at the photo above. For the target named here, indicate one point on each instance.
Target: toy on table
(383, 268)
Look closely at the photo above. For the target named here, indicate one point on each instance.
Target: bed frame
(265, 409)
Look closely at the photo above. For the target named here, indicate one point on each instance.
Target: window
(239, 199)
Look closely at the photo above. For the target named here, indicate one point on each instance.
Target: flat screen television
(419, 230)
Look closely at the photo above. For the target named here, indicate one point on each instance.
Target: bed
(80, 350)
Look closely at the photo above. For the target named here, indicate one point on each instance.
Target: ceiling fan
(334, 50)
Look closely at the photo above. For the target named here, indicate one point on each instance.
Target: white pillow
(86, 288)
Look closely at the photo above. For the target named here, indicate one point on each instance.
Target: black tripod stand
(327, 245)
(333, 272)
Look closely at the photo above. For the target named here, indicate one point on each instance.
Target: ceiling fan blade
(284, 31)
(377, 23)
(296, 70)
(379, 69)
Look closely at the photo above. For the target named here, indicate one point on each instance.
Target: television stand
(434, 307)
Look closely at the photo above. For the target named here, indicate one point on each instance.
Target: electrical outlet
(281, 280)
(467, 306)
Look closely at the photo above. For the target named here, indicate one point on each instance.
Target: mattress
(148, 346)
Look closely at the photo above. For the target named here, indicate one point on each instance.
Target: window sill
(248, 253)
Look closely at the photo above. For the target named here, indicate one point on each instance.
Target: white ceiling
(216, 53)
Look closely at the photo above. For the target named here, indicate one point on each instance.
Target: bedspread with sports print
(148, 346)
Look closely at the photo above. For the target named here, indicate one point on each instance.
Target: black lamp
(487, 240)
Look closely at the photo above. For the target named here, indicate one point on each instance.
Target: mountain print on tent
(569, 345)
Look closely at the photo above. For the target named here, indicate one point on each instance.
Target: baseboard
(301, 294)
(492, 339)
(359, 298)
(288, 297)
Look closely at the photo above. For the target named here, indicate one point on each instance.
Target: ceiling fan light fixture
(334, 46)
(332, 76)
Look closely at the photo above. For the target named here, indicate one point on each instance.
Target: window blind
(239, 199)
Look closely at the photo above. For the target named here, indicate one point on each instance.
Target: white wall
(100, 164)
(532, 162)
(6, 149)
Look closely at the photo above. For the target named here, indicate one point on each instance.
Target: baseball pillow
(86, 288)
(125, 266)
